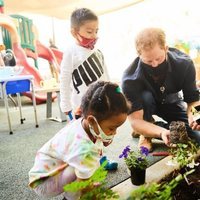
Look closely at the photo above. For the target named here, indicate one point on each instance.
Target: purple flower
(125, 152)
(144, 150)
(135, 158)
(140, 159)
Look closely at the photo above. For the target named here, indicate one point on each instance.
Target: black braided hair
(103, 100)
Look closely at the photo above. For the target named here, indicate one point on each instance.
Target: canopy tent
(63, 8)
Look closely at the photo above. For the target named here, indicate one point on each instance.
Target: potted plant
(137, 163)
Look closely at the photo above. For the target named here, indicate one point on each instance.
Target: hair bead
(118, 90)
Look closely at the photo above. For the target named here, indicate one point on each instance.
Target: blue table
(16, 85)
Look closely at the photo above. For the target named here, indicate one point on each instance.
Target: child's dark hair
(104, 100)
(79, 16)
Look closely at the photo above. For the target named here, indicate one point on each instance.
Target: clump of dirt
(178, 132)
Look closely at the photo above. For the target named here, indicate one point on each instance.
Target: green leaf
(97, 192)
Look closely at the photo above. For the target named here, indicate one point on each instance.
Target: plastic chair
(17, 85)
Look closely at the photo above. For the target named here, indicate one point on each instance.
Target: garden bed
(189, 189)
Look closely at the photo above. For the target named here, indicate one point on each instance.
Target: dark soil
(184, 190)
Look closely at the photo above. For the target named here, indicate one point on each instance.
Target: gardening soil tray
(184, 190)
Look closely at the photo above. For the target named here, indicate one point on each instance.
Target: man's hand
(193, 113)
(165, 137)
(194, 125)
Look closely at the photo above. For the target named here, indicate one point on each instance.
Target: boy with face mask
(154, 83)
(82, 64)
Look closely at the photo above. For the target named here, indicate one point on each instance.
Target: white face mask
(102, 136)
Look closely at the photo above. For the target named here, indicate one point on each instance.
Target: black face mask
(156, 71)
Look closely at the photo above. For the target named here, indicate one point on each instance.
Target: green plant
(135, 159)
(157, 191)
(184, 154)
(95, 186)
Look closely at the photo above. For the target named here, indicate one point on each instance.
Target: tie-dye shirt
(71, 146)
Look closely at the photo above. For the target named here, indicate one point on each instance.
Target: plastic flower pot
(137, 176)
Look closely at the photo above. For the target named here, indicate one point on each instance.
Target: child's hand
(96, 184)
(67, 113)
(87, 189)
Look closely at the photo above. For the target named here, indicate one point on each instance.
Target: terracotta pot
(137, 176)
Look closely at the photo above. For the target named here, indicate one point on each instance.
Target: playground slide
(58, 54)
(47, 54)
(21, 58)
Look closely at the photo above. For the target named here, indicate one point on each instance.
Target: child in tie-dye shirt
(74, 152)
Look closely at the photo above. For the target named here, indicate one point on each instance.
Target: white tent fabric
(63, 8)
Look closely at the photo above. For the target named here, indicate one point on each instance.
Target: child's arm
(65, 81)
(106, 74)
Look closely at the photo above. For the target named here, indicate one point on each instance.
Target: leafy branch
(95, 186)
(184, 153)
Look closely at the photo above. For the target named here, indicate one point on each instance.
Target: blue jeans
(169, 112)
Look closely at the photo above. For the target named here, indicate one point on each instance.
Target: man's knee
(149, 105)
(148, 99)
